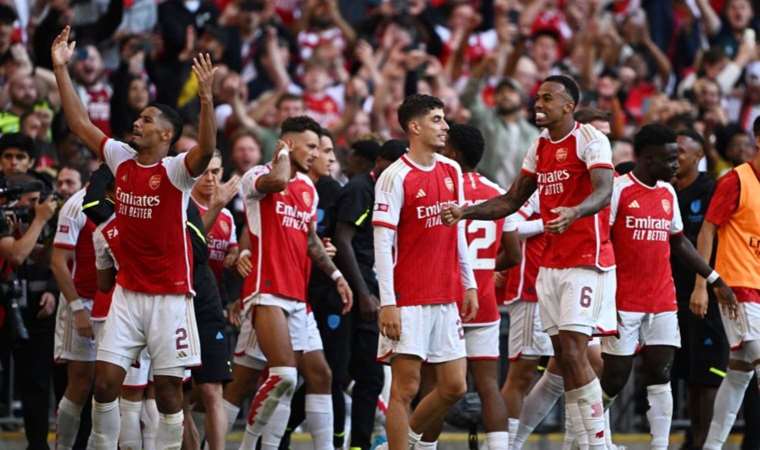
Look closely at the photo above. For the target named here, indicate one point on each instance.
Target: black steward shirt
(327, 190)
(354, 205)
(693, 202)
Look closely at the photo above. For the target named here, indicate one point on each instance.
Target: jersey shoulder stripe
(393, 174)
(491, 184)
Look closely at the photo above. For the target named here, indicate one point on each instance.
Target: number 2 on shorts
(586, 293)
(181, 338)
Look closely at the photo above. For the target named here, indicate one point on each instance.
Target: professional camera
(12, 213)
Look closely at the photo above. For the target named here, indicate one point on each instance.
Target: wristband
(713, 277)
(282, 152)
(76, 305)
(335, 275)
(244, 252)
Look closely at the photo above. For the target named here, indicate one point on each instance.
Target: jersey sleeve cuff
(102, 148)
(601, 166)
(378, 223)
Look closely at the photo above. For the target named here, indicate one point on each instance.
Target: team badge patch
(154, 182)
(382, 207)
(225, 228)
(449, 184)
(63, 228)
(561, 154)
(306, 198)
(666, 205)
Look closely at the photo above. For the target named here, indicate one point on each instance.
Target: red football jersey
(221, 238)
(75, 233)
(106, 242)
(151, 204)
(562, 170)
(323, 108)
(409, 199)
(520, 283)
(483, 239)
(279, 225)
(97, 102)
(643, 218)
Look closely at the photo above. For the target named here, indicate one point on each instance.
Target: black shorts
(216, 365)
(704, 348)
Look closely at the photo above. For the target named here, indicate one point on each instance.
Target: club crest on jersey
(306, 198)
(225, 228)
(666, 205)
(449, 184)
(154, 182)
(561, 154)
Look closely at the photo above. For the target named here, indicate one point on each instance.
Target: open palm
(62, 49)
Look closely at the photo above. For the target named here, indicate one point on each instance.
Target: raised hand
(204, 71)
(62, 50)
(224, 193)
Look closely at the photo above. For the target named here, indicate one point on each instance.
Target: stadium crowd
(266, 99)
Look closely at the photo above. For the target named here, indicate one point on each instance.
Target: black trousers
(350, 346)
(33, 362)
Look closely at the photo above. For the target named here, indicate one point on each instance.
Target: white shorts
(639, 329)
(138, 373)
(745, 328)
(432, 332)
(482, 341)
(526, 334)
(69, 345)
(577, 299)
(164, 324)
(247, 351)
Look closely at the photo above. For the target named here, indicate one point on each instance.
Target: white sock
(422, 445)
(512, 426)
(270, 439)
(589, 401)
(130, 437)
(497, 440)
(199, 420)
(105, 424)
(279, 384)
(571, 433)
(413, 438)
(319, 419)
(232, 413)
(169, 436)
(149, 418)
(608, 431)
(660, 414)
(727, 402)
(67, 423)
(538, 403)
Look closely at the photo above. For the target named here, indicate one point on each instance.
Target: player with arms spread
(151, 304)
(646, 226)
(281, 212)
(419, 318)
(571, 165)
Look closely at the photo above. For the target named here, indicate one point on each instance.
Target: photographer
(27, 297)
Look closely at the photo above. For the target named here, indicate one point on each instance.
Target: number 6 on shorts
(586, 293)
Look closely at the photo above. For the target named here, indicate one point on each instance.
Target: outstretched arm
(601, 185)
(497, 207)
(73, 110)
(198, 157)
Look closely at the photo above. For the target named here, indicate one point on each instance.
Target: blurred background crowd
(691, 64)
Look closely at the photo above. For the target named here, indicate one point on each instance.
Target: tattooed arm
(318, 254)
(497, 207)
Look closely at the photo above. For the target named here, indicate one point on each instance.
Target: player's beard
(508, 111)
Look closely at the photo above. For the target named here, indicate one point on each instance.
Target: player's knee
(320, 378)
(452, 390)
(405, 390)
(106, 390)
(168, 395)
(614, 376)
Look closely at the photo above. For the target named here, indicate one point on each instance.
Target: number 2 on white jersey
(481, 243)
